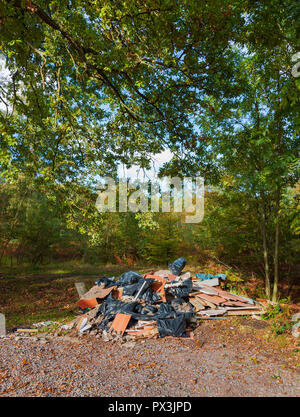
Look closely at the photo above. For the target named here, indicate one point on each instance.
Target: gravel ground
(209, 365)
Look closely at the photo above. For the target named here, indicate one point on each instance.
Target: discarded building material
(242, 312)
(85, 328)
(98, 292)
(88, 303)
(211, 282)
(196, 303)
(295, 317)
(296, 330)
(158, 304)
(215, 312)
(120, 323)
(80, 287)
(2, 325)
(81, 323)
(27, 330)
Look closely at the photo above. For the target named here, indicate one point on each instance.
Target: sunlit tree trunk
(276, 250)
(265, 248)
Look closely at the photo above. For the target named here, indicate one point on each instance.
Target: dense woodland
(87, 85)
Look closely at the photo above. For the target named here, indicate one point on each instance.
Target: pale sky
(135, 172)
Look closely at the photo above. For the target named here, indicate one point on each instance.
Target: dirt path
(220, 361)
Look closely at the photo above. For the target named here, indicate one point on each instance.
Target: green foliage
(279, 317)
(93, 84)
(272, 312)
(161, 246)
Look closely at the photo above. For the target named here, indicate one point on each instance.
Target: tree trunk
(265, 248)
(276, 249)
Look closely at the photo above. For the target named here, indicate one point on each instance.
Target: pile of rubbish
(157, 304)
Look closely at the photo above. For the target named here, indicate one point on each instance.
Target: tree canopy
(91, 84)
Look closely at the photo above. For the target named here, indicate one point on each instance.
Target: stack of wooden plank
(214, 302)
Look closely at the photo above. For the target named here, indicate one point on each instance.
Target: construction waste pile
(159, 304)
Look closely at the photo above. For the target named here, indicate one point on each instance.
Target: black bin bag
(171, 326)
(177, 266)
(133, 289)
(129, 277)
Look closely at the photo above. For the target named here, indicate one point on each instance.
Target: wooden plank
(242, 312)
(207, 302)
(232, 297)
(248, 300)
(150, 332)
(80, 287)
(210, 290)
(204, 290)
(198, 306)
(204, 304)
(97, 292)
(236, 303)
(210, 282)
(2, 325)
(210, 318)
(214, 312)
(245, 308)
(27, 330)
(212, 298)
(194, 303)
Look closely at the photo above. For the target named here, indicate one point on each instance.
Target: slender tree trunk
(265, 248)
(276, 249)
(5, 246)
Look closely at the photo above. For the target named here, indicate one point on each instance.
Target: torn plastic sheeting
(150, 296)
(177, 266)
(171, 326)
(133, 289)
(167, 310)
(204, 277)
(129, 277)
(110, 307)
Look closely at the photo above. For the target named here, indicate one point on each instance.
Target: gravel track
(87, 366)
